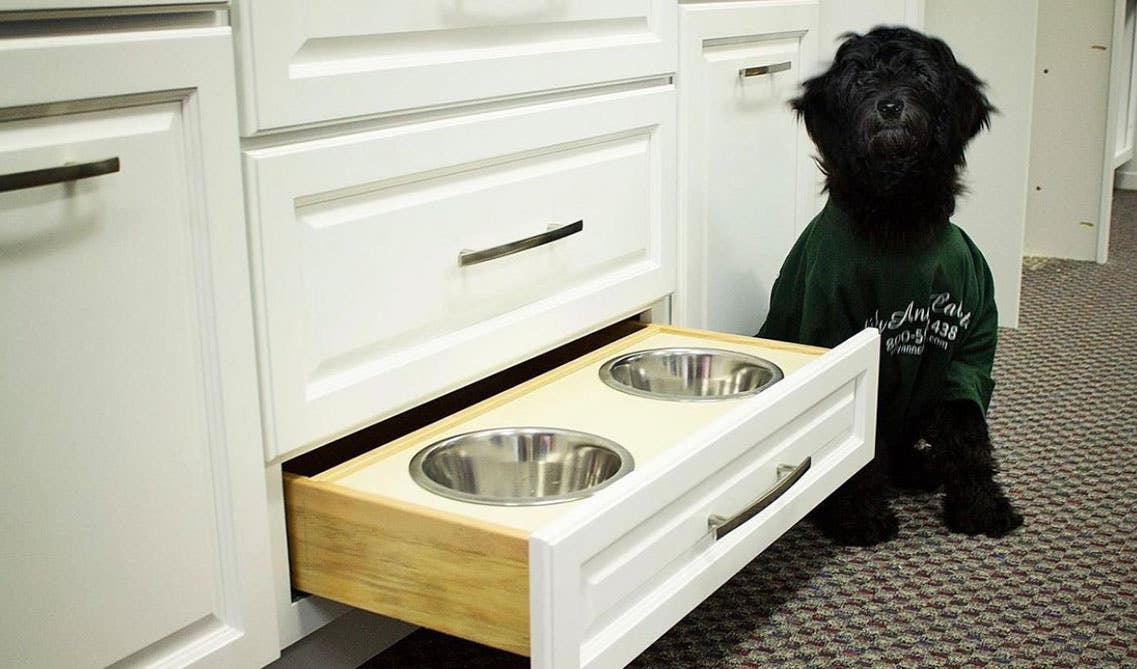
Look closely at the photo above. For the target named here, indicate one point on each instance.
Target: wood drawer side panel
(463, 579)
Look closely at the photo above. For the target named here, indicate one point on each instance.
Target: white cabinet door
(132, 500)
(747, 182)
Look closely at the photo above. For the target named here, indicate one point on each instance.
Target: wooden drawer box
(590, 583)
(364, 306)
(310, 61)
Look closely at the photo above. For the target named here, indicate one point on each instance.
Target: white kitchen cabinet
(312, 61)
(747, 184)
(132, 499)
(365, 309)
(369, 297)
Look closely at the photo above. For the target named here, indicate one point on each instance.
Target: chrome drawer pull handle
(763, 69)
(467, 257)
(57, 175)
(787, 476)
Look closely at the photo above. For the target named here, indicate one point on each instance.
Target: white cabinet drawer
(364, 307)
(308, 61)
(591, 583)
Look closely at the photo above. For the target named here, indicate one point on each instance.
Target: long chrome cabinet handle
(788, 475)
(467, 257)
(57, 175)
(763, 69)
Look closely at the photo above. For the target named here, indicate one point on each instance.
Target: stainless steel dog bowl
(520, 466)
(690, 374)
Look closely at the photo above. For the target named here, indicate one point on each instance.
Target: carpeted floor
(1060, 592)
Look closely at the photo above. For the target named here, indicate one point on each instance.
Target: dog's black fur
(891, 119)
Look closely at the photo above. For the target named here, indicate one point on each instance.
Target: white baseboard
(345, 643)
(1125, 180)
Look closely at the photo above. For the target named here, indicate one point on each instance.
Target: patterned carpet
(1060, 592)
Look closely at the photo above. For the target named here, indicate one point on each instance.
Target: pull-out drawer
(387, 264)
(591, 583)
(310, 61)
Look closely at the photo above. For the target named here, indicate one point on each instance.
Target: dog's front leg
(974, 503)
(857, 513)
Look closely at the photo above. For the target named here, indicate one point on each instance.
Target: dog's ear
(972, 109)
(810, 105)
(813, 103)
(972, 105)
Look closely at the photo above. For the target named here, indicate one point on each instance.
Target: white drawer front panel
(367, 309)
(320, 60)
(678, 533)
(615, 574)
(359, 249)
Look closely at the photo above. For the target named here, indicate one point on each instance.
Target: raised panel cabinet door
(132, 499)
(747, 183)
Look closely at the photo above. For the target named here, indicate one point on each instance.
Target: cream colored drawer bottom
(591, 583)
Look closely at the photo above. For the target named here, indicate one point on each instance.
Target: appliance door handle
(57, 175)
(788, 475)
(467, 257)
(759, 70)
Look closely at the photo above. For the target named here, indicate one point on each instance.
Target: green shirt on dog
(934, 307)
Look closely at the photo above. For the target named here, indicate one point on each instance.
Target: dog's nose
(890, 108)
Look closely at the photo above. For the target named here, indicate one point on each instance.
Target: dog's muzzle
(892, 128)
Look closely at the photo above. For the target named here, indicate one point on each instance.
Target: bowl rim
(610, 380)
(419, 476)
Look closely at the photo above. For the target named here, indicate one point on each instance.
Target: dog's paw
(859, 526)
(915, 469)
(981, 510)
(917, 480)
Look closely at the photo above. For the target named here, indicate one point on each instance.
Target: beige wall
(997, 41)
(842, 16)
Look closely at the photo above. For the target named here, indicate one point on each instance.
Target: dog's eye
(863, 79)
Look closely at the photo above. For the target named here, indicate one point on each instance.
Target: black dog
(891, 119)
